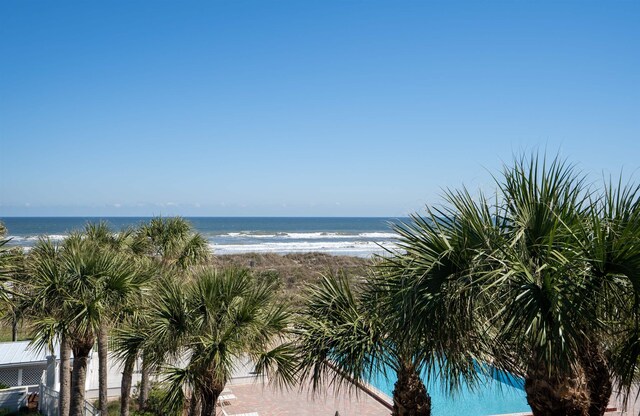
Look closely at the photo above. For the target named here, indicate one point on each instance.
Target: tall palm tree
(84, 280)
(15, 309)
(174, 246)
(120, 244)
(13, 301)
(129, 340)
(6, 264)
(211, 322)
(172, 242)
(49, 289)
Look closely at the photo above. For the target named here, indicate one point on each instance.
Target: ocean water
(351, 236)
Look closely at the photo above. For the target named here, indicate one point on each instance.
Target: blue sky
(303, 108)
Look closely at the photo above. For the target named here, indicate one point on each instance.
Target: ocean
(350, 236)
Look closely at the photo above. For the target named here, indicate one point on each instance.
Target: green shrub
(154, 403)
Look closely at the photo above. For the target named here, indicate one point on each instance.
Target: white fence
(48, 403)
(14, 398)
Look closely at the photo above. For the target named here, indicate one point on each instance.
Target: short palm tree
(355, 331)
(608, 241)
(211, 322)
(552, 274)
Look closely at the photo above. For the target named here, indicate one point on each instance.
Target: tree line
(538, 280)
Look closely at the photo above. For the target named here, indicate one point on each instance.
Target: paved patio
(633, 405)
(267, 400)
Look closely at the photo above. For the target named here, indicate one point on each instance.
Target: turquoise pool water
(489, 397)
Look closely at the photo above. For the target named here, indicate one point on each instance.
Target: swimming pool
(489, 397)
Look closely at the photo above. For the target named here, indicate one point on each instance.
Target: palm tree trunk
(14, 329)
(410, 397)
(598, 377)
(144, 384)
(65, 376)
(79, 378)
(208, 403)
(193, 405)
(125, 387)
(102, 368)
(551, 395)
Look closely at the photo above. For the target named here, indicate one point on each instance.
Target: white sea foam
(379, 235)
(362, 244)
(312, 235)
(35, 238)
(352, 248)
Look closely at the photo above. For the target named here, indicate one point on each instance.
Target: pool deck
(268, 400)
(631, 409)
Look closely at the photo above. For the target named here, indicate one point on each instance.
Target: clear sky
(303, 108)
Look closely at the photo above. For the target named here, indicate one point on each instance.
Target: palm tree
(172, 242)
(16, 309)
(356, 331)
(129, 339)
(541, 280)
(552, 273)
(12, 272)
(49, 290)
(84, 280)
(612, 257)
(120, 244)
(6, 264)
(212, 321)
(173, 246)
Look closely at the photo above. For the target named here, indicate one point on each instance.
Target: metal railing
(14, 398)
(49, 403)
